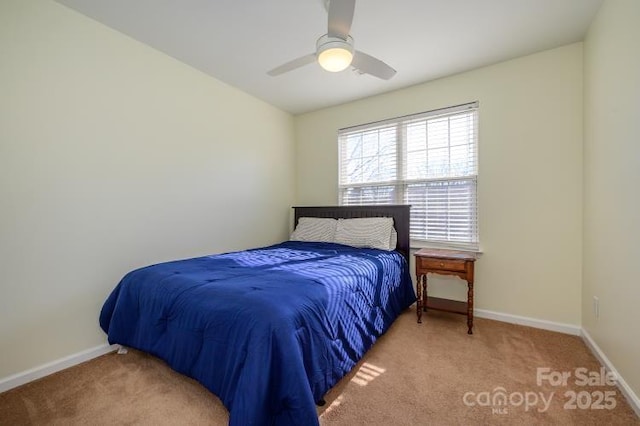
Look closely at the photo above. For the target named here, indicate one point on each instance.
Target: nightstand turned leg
(424, 294)
(470, 307)
(419, 298)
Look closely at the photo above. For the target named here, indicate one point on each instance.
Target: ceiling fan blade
(340, 17)
(370, 65)
(292, 65)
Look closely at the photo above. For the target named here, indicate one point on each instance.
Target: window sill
(417, 245)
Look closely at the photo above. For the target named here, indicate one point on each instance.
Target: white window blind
(428, 160)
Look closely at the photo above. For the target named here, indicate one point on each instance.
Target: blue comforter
(268, 330)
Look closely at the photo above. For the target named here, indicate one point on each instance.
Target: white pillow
(372, 232)
(315, 229)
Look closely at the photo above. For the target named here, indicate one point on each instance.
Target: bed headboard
(399, 213)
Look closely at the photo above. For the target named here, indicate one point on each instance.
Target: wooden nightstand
(445, 262)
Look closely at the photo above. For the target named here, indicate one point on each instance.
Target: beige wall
(530, 175)
(113, 156)
(611, 178)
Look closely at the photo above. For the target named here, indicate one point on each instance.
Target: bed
(268, 330)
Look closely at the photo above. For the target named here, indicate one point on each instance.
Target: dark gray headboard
(399, 213)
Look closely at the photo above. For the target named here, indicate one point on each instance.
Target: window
(428, 160)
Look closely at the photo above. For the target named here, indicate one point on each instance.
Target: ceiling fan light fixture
(334, 54)
(334, 50)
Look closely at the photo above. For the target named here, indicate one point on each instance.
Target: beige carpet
(417, 374)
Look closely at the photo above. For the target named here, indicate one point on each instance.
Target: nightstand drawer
(442, 264)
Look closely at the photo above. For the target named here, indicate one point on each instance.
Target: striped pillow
(315, 229)
(394, 239)
(372, 232)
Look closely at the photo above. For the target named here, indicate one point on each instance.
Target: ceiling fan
(334, 50)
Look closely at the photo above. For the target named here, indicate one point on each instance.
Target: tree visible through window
(428, 160)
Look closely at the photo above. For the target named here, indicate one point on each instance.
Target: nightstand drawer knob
(442, 264)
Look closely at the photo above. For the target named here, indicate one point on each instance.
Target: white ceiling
(238, 41)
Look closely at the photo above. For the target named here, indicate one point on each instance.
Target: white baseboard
(530, 322)
(54, 366)
(624, 387)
